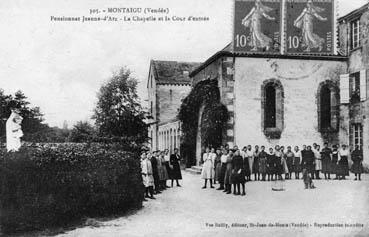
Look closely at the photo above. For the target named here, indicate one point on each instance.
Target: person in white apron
(207, 172)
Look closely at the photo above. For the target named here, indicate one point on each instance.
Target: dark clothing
(155, 171)
(334, 165)
(296, 167)
(270, 163)
(228, 171)
(263, 156)
(308, 161)
(326, 160)
(176, 171)
(238, 173)
(246, 166)
(357, 158)
(278, 166)
(255, 166)
(222, 173)
(343, 167)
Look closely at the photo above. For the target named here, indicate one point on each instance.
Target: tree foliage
(83, 131)
(215, 115)
(118, 112)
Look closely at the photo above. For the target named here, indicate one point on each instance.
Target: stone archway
(199, 147)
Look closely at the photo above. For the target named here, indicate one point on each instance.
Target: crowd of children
(236, 166)
(156, 168)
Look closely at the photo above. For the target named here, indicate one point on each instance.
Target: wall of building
(169, 135)
(169, 100)
(300, 80)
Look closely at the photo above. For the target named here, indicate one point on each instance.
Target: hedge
(49, 185)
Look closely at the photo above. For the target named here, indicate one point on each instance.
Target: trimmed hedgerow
(53, 185)
(214, 117)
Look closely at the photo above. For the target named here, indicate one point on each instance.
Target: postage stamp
(257, 26)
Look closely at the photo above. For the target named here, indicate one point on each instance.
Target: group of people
(156, 168)
(236, 166)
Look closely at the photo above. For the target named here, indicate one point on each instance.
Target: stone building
(168, 84)
(354, 43)
(296, 99)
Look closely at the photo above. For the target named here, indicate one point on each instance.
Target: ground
(190, 211)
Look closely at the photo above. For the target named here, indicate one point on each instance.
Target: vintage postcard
(177, 118)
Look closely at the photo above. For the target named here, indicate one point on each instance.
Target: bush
(51, 185)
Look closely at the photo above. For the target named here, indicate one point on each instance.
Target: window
(325, 106)
(355, 34)
(272, 104)
(355, 87)
(328, 106)
(151, 108)
(357, 135)
(270, 107)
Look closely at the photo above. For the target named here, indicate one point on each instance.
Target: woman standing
(250, 157)
(147, 176)
(217, 165)
(255, 168)
(344, 153)
(289, 158)
(263, 163)
(228, 173)
(167, 165)
(223, 160)
(163, 174)
(246, 165)
(296, 167)
(357, 159)
(238, 174)
(318, 161)
(326, 161)
(270, 164)
(278, 165)
(176, 170)
(207, 172)
(334, 164)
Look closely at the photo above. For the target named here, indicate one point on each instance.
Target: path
(185, 211)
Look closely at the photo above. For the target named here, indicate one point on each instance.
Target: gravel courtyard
(191, 211)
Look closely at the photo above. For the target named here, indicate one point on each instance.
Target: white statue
(14, 131)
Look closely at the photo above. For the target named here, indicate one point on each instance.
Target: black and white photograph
(177, 118)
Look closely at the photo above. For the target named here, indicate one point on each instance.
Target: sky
(60, 66)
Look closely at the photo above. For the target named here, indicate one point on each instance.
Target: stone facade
(167, 85)
(355, 113)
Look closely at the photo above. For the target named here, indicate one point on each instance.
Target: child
(307, 179)
(147, 176)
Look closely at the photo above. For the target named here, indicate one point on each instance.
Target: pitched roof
(173, 72)
(355, 13)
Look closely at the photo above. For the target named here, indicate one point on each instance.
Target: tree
(118, 112)
(82, 132)
(33, 126)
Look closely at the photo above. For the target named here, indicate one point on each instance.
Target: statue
(253, 21)
(305, 21)
(14, 131)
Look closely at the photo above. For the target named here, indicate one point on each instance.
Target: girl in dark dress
(343, 162)
(326, 154)
(357, 159)
(270, 164)
(246, 165)
(238, 174)
(176, 170)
